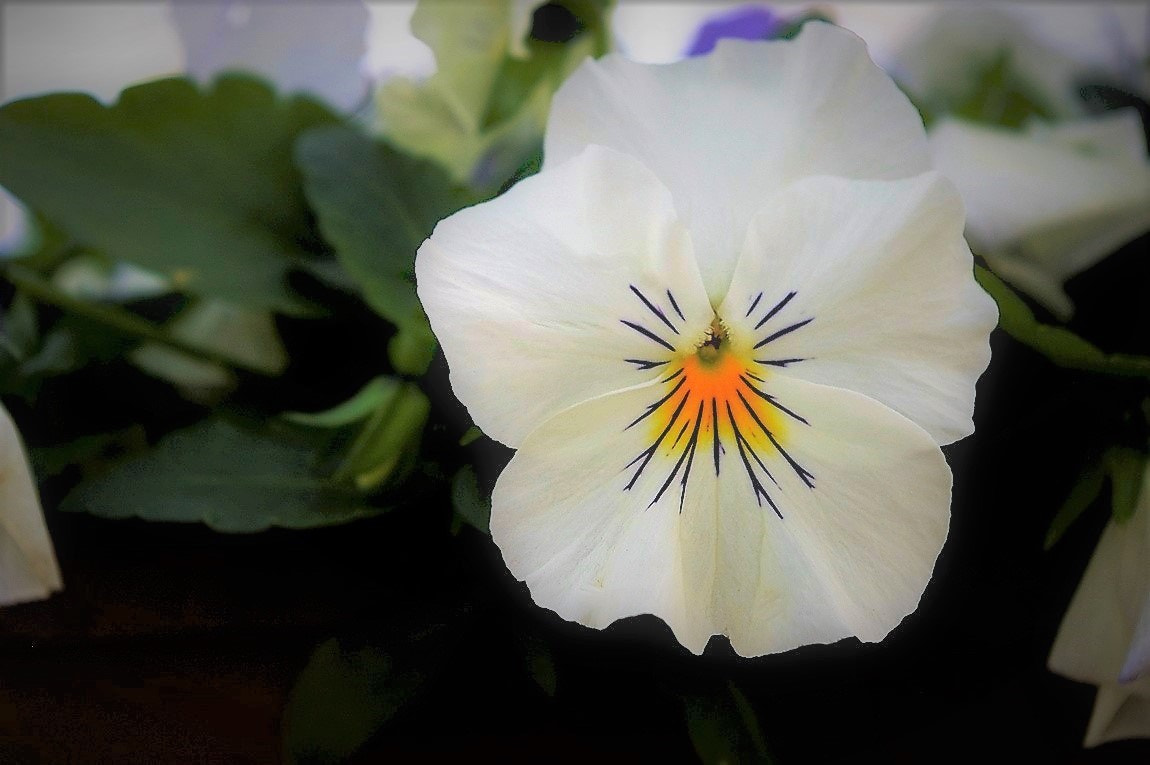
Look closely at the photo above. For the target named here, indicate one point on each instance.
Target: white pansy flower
(28, 569)
(1046, 203)
(726, 327)
(1104, 638)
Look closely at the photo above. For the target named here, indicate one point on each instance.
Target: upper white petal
(849, 557)
(882, 273)
(527, 293)
(725, 131)
(28, 569)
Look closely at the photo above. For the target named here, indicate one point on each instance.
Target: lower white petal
(605, 521)
(869, 286)
(869, 528)
(28, 569)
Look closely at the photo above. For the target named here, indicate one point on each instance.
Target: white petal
(1096, 640)
(881, 271)
(528, 293)
(16, 232)
(725, 131)
(28, 569)
(1061, 207)
(316, 48)
(1117, 134)
(1120, 712)
(849, 557)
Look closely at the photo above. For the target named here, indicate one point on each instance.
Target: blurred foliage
(724, 728)
(339, 700)
(482, 113)
(470, 506)
(1058, 344)
(231, 478)
(995, 93)
(375, 206)
(198, 186)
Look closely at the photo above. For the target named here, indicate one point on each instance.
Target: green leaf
(231, 479)
(1059, 345)
(472, 435)
(412, 348)
(470, 504)
(195, 185)
(724, 728)
(340, 699)
(388, 443)
(539, 663)
(359, 407)
(484, 109)
(1082, 496)
(376, 206)
(998, 95)
(1126, 468)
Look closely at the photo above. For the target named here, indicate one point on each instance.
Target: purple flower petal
(747, 22)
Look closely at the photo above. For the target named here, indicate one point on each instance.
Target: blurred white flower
(1104, 639)
(314, 48)
(1048, 202)
(28, 569)
(727, 327)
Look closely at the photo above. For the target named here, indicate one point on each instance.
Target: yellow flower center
(715, 396)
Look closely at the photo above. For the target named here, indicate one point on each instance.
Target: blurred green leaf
(217, 330)
(1059, 345)
(724, 728)
(484, 109)
(412, 348)
(359, 407)
(340, 699)
(231, 479)
(998, 95)
(387, 445)
(197, 186)
(1126, 468)
(540, 663)
(375, 206)
(1081, 496)
(105, 330)
(470, 504)
(472, 435)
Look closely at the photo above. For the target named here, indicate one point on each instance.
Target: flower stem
(119, 319)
